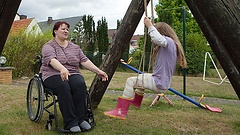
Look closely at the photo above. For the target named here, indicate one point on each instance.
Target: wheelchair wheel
(35, 99)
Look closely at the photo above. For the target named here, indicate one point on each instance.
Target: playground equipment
(139, 72)
(223, 79)
(158, 97)
(199, 104)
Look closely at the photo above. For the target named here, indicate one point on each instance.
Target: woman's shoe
(85, 125)
(75, 129)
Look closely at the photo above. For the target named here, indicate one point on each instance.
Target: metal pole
(184, 48)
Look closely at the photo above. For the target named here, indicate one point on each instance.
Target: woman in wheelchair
(60, 72)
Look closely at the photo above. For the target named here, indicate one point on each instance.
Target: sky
(112, 10)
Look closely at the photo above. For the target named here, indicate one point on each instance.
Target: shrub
(21, 51)
(196, 47)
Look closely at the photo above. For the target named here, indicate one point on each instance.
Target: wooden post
(118, 46)
(220, 23)
(8, 10)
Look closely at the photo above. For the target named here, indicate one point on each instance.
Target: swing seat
(164, 96)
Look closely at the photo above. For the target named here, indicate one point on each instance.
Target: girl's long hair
(164, 29)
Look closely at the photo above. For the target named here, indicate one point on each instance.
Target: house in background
(26, 25)
(49, 23)
(111, 34)
(134, 43)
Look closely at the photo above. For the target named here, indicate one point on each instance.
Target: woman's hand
(103, 75)
(64, 74)
(90, 66)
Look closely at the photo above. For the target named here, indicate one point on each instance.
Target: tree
(89, 35)
(119, 23)
(170, 11)
(78, 34)
(102, 38)
(196, 47)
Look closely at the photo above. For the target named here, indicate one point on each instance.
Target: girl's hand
(147, 22)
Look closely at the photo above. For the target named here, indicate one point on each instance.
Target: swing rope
(142, 61)
(151, 51)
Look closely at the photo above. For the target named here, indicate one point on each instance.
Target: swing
(142, 61)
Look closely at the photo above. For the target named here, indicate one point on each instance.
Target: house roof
(48, 25)
(20, 25)
(136, 37)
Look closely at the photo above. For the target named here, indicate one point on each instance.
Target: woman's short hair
(57, 25)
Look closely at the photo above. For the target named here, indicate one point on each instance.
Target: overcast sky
(112, 10)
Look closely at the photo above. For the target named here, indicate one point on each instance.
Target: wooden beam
(119, 44)
(220, 23)
(8, 10)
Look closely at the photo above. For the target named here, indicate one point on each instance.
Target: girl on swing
(167, 52)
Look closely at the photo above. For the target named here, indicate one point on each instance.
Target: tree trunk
(118, 46)
(8, 10)
(220, 23)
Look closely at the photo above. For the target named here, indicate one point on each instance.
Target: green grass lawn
(183, 118)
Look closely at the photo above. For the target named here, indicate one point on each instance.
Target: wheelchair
(38, 96)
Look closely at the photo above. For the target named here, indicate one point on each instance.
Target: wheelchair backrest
(38, 61)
